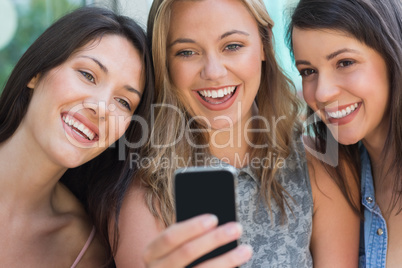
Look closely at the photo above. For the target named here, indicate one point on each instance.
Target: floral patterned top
(275, 244)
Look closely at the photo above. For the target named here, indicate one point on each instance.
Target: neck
(28, 178)
(231, 145)
(380, 160)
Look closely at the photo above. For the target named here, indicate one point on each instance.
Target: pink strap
(84, 249)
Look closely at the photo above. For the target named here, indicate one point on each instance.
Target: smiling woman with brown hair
(58, 111)
(349, 54)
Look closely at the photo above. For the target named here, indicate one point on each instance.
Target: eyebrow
(328, 57)
(233, 32)
(133, 90)
(191, 41)
(340, 51)
(104, 69)
(302, 62)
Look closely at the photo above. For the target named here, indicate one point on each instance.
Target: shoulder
(76, 234)
(137, 227)
(95, 255)
(327, 182)
(333, 218)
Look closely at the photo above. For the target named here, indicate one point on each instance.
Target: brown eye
(88, 76)
(307, 72)
(124, 103)
(345, 63)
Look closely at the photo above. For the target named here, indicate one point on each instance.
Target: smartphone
(200, 190)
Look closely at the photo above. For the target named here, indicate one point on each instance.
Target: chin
(348, 140)
(222, 125)
(345, 137)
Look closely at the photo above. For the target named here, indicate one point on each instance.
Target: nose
(98, 106)
(327, 89)
(213, 68)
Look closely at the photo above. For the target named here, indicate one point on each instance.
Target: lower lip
(346, 119)
(75, 135)
(220, 106)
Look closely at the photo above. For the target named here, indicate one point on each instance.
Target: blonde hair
(275, 98)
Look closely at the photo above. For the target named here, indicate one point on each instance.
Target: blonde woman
(216, 73)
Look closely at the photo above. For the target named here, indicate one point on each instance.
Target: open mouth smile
(344, 114)
(79, 129)
(217, 96)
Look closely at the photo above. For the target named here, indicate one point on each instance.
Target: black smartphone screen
(205, 190)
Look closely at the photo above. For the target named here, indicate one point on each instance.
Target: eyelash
(189, 53)
(349, 63)
(184, 53)
(304, 74)
(308, 71)
(236, 47)
(88, 76)
(124, 103)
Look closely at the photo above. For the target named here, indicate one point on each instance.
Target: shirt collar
(367, 185)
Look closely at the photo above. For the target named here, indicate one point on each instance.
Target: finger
(178, 234)
(196, 248)
(233, 258)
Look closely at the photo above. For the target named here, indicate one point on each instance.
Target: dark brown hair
(101, 183)
(377, 24)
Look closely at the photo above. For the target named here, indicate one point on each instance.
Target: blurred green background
(21, 22)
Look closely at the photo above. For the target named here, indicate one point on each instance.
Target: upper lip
(215, 88)
(85, 121)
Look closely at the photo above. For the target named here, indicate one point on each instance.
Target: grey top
(275, 244)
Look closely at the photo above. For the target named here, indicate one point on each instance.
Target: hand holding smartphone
(200, 190)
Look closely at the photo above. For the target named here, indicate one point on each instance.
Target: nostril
(93, 107)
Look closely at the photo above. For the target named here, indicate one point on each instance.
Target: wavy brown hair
(276, 98)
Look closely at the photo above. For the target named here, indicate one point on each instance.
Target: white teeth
(78, 125)
(217, 93)
(344, 112)
(220, 93)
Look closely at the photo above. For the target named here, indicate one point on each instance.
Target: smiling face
(82, 106)
(215, 60)
(345, 81)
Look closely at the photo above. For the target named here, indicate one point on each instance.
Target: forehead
(321, 39)
(211, 15)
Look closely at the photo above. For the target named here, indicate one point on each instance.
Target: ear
(32, 83)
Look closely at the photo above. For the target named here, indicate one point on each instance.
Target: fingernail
(209, 221)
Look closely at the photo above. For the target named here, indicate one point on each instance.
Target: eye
(345, 63)
(88, 76)
(307, 72)
(124, 103)
(185, 53)
(233, 47)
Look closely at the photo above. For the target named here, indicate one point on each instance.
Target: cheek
(122, 126)
(309, 95)
(248, 65)
(181, 74)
